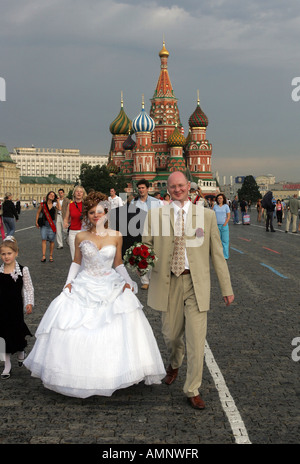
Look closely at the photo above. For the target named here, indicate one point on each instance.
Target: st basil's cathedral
(160, 146)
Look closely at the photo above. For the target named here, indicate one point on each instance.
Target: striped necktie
(178, 260)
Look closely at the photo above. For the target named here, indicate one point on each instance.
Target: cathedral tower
(198, 149)
(120, 128)
(164, 111)
(143, 152)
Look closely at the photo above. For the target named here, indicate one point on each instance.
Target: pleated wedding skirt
(95, 340)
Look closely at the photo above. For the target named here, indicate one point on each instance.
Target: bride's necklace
(99, 234)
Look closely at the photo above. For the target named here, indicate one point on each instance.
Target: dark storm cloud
(65, 63)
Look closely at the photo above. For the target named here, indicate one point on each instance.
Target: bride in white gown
(94, 338)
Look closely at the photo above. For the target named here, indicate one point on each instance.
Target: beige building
(9, 175)
(63, 163)
(36, 188)
(282, 190)
(264, 181)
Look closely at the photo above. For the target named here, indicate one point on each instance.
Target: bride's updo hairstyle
(93, 199)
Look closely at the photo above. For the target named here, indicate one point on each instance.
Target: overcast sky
(65, 63)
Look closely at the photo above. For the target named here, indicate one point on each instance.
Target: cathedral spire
(164, 86)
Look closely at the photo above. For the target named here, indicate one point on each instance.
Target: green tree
(98, 178)
(249, 190)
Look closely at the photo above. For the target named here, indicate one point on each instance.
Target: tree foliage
(249, 190)
(98, 178)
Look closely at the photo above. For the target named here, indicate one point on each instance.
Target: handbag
(41, 221)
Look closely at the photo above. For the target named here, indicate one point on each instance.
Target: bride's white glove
(121, 269)
(73, 271)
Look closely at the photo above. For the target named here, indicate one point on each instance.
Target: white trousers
(72, 235)
(60, 231)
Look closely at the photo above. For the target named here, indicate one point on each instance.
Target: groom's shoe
(196, 402)
(171, 375)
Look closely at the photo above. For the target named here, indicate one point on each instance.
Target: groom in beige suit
(184, 237)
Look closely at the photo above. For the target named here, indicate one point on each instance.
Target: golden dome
(164, 51)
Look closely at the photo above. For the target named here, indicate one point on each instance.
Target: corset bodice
(95, 261)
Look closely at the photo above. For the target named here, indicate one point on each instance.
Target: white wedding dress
(96, 339)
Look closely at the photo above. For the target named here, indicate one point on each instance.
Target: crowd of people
(94, 337)
(269, 209)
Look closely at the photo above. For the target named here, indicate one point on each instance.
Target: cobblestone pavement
(251, 342)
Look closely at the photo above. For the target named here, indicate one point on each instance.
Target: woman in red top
(73, 218)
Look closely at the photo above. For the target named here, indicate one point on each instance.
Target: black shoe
(20, 361)
(286, 231)
(267, 230)
(273, 230)
(5, 376)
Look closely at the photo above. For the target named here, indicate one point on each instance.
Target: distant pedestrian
(47, 224)
(18, 206)
(259, 210)
(166, 199)
(293, 204)
(268, 206)
(114, 200)
(279, 212)
(157, 195)
(235, 210)
(222, 211)
(61, 233)
(9, 215)
(243, 206)
(17, 295)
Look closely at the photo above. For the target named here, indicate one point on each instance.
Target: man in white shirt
(145, 202)
(114, 200)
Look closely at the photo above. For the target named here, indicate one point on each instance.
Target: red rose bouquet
(139, 257)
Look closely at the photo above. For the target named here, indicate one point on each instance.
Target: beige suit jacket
(64, 207)
(156, 235)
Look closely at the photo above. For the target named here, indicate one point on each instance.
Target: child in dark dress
(16, 296)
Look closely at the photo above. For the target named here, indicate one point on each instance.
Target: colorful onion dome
(198, 118)
(129, 143)
(112, 168)
(143, 122)
(176, 139)
(122, 124)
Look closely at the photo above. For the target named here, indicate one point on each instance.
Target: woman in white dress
(94, 338)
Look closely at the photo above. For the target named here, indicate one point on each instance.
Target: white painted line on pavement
(237, 425)
(26, 228)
